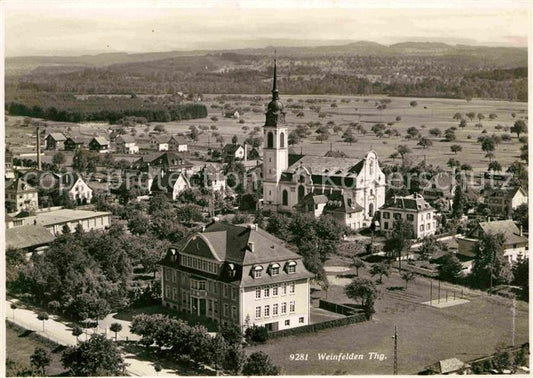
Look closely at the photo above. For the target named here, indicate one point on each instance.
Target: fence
(311, 328)
(337, 308)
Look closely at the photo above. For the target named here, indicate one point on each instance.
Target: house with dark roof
(99, 144)
(75, 187)
(414, 209)
(237, 275)
(502, 201)
(177, 143)
(54, 141)
(515, 243)
(170, 183)
(288, 178)
(19, 196)
(160, 142)
(167, 160)
(30, 238)
(73, 143)
(126, 144)
(440, 187)
(210, 177)
(233, 151)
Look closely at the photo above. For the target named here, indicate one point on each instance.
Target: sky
(54, 27)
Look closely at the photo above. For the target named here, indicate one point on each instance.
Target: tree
(97, 356)
(449, 267)
(258, 363)
(490, 266)
(43, 316)
(462, 123)
(40, 359)
(449, 135)
(455, 148)
(139, 223)
(234, 360)
(425, 142)
(459, 202)
(115, 327)
(77, 331)
(458, 116)
(428, 248)
(380, 269)
(471, 115)
(521, 277)
(408, 276)
(402, 233)
(361, 289)
(413, 103)
(495, 166)
(59, 159)
(232, 334)
(519, 127)
(357, 263)
(521, 215)
(217, 351)
(435, 132)
(54, 306)
(403, 150)
(488, 145)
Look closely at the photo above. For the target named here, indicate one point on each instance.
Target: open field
(425, 334)
(21, 344)
(429, 113)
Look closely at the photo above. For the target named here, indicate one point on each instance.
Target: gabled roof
(506, 227)
(507, 193)
(168, 158)
(126, 138)
(167, 180)
(321, 165)
(343, 204)
(100, 140)
(230, 149)
(19, 185)
(28, 236)
(161, 138)
(58, 137)
(78, 139)
(68, 180)
(179, 139)
(413, 202)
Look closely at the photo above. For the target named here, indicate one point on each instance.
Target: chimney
(38, 148)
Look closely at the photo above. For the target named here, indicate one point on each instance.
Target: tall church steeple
(275, 112)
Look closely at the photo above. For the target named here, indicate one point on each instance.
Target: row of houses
(124, 144)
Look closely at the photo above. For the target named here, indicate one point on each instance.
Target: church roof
(328, 165)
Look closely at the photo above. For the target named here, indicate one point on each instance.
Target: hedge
(337, 308)
(310, 328)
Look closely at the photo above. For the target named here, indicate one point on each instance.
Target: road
(61, 333)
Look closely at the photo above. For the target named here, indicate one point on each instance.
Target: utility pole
(513, 310)
(395, 337)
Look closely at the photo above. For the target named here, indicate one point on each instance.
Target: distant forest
(66, 108)
(490, 73)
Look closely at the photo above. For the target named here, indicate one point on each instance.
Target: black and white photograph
(262, 188)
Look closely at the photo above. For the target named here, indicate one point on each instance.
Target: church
(350, 190)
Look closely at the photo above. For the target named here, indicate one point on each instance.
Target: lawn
(20, 345)
(425, 334)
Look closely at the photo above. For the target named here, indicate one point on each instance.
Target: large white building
(354, 187)
(237, 275)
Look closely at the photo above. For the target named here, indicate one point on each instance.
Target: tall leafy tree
(40, 359)
(258, 363)
(490, 267)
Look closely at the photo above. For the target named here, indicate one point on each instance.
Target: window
(257, 271)
(285, 198)
(215, 287)
(226, 309)
(291, 267)
(201, 285)
(284, 289)
(292, 306)
(291, 288)
(267, 310)
(287, 322)
(216, 306)
(421, 227)
(275, 309)
(301, 320)
(428, 216)
(258, 312)
(270, 140)
(301, 193)
(428, 226)
(386, 225)
(275, 270)
(233, 293)
(275, 290)
(282, 140)
(397, 215)
(267, 292)
(284, 308)
(234, 312)
(257, 292)
(175, 293)
(226, 291)
(410, 217)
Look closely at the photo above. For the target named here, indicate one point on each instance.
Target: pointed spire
(275, 94)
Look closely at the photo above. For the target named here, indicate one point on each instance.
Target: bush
(257, 334)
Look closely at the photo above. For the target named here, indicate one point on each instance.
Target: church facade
(349, 189)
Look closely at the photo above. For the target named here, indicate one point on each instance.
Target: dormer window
(257, 271)
(274, 269)
(291, 267)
